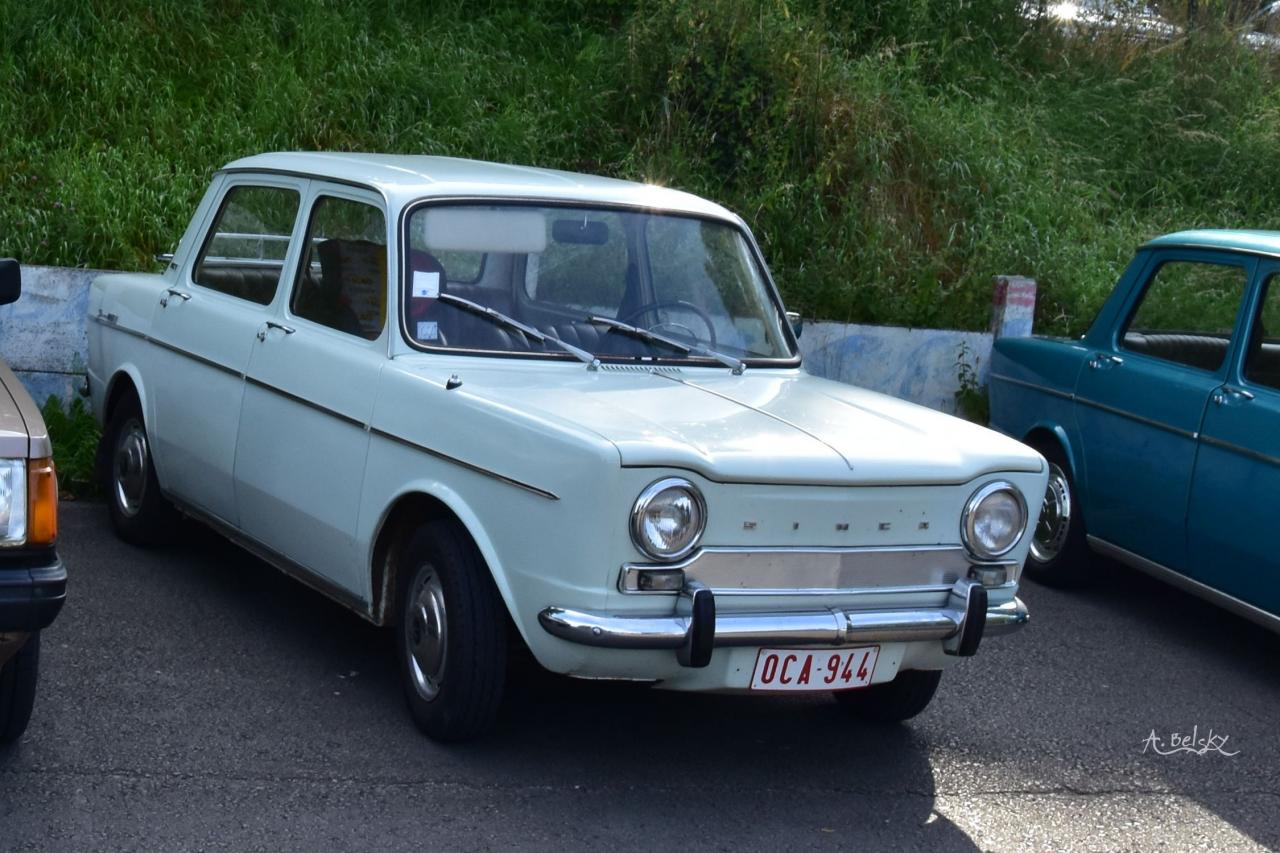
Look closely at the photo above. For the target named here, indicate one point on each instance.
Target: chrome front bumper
(695, 628)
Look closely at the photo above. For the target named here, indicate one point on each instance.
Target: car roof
(403, 178)
(1255, 242)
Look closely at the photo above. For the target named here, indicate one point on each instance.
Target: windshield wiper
(737, 365)
(529, 331)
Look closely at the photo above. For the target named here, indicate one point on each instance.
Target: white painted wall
(42, 337)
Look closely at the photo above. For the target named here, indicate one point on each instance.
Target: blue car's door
(1143, 392)
(1232, 532)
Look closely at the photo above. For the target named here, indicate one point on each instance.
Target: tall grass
(890, 156)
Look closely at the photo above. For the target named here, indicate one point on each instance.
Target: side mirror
(10, 281)
(797, 323)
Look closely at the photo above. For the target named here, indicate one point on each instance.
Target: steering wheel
(649, 307)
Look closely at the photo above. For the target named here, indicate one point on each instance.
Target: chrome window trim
(966, 516)
(1226, 601)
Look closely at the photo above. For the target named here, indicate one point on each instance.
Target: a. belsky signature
(1194, 743)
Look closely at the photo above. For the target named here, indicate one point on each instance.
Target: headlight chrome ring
(992, 545)
(671, 509)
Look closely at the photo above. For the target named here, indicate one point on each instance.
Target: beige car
(33, 581)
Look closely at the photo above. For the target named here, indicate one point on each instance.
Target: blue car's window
(1187, 313)
(1262, 364)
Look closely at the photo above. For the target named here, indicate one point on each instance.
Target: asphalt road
(194, 699)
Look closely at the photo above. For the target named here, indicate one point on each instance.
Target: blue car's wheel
(1059, 555)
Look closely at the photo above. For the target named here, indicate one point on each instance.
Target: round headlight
(994, 520)
(668, 519)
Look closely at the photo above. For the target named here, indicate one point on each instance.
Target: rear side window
(1187, 313)
(1262, 362)
(244, 252)
(342, 279)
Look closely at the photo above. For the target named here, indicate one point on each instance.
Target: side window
(243, 254)
(1262, 362)
(342, 279)
(1187, 313)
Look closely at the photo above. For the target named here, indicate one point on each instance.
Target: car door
(1142, 394)
(310, 390)
(204, 326)
(1232, 534)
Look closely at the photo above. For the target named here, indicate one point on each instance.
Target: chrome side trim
(325, 410)
(464, 464)
(1138, 418)
(280, 562)
(828, 628)
(1270, 621)
(356, 422)
(814, 570)
(1243, 451)
(1032, 385)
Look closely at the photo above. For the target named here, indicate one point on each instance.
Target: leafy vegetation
(891, 157)
(75, 435)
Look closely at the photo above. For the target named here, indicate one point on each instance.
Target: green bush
(75, 435)
(891, 157)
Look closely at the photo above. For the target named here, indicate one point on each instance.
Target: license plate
(820, 670)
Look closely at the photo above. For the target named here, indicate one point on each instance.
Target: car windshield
(619, 285)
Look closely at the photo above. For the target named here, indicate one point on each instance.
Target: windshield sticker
(428, 330)
(426, 285)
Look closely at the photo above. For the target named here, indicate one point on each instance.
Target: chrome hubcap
(1055, 517)
(427, 636)
(129, 468)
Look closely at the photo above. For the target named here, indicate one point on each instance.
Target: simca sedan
(488, 404)
(33, 581)
(1162, 424)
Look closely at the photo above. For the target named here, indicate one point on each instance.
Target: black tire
(18, 690)
(140, 514)
(1059, 555)
(893, 701)
(444, 590)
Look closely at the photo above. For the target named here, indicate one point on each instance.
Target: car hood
(775, 426)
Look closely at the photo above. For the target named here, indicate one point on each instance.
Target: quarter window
(244, 252)
(342, 279)
(1262, 363)
(1187, 313)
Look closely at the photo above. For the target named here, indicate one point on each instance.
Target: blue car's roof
(1258, 242)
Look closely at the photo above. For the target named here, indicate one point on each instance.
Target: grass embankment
(890, 156)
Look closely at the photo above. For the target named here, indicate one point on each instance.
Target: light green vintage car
(472, 400)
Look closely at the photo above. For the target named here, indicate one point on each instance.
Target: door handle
(272, 324)
(1105, 361)
(164, 300)
(1228, 396)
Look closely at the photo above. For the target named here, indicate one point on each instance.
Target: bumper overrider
(33, 587)
(695, 630)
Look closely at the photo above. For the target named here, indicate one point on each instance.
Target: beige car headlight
(668, 519)
(13, 501)
(994, 519)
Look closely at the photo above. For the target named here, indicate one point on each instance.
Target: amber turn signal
(42, 502)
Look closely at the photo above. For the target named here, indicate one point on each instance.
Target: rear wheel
(139, 512)
(1059, 554)
(18, 690)
(893, 701)
(451, 634)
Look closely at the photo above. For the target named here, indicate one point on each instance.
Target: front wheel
(1059, 554)
(18, 690)
(893, 701)
(451, 634)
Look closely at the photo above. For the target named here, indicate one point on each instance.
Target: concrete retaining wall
(42, 337)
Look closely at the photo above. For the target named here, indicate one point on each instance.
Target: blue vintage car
(1161, 424)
